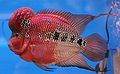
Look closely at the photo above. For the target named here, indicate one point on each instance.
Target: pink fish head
(17, 18)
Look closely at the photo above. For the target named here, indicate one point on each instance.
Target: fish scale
(47, 28)
(55, 22)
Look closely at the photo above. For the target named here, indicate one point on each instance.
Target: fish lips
(15, 45)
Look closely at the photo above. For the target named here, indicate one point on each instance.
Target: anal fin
(76, 61)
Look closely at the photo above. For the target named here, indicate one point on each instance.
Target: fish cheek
(43, 53)
(27, 56)
(36, 52)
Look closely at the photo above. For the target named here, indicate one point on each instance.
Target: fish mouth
(14, 49)
(15, 46)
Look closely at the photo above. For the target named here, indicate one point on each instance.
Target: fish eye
(16, 34)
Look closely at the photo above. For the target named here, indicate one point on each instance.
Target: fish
(51, 37)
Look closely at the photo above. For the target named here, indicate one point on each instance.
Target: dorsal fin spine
(77, 21)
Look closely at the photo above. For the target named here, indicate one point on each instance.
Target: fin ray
(78, 21)
(44, 67)
(97, 46)
(76, 61)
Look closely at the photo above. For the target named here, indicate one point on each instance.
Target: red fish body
(51, 37)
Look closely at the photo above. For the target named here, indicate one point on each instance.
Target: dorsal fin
(78, 21)
(55, 12)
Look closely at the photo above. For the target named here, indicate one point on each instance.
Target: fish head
(17, 18)
(16, 43)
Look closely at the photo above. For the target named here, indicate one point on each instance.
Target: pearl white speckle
(118, 23)
(28, 12)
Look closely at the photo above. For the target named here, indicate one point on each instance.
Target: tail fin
(96, 47)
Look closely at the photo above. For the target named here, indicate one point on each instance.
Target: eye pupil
(16, 35)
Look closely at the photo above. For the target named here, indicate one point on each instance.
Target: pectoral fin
(44, 67)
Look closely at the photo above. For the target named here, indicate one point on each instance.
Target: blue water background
(12, 64)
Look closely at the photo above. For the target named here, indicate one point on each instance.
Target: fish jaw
(15, 44)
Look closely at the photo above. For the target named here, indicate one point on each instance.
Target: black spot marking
(72, 38)
(64, 37)
(48, 35)
(80, 42)
(56, 35)
(84, 43)
(25, 24)
(39, 35)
